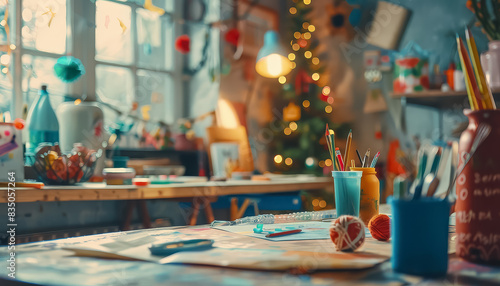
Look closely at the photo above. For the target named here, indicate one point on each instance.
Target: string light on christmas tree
(293, 10)
(311, 28)
(307, 35)
(326, 90)
(306, 103)
(307, 2)
(287, 131)
(291, 56)
(293, 125)
(295, 47)
(330, 100)
(315, 76)
(308, 54)
(328, 109)
(278, 159)
(305, 25)
(297, 35)
(282, 79)
(288, 161)
(322, 164)
(315, 60)
(293, 65)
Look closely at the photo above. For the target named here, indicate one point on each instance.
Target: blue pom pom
(69, 69)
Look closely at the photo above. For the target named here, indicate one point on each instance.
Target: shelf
(439, 99)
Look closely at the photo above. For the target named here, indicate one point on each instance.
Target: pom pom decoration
(19, 123)
(69, 69)
(182, 44)
(380, 227)
(347, 233)
(232, 36)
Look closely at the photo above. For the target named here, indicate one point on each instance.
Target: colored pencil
(478, 69)
(339, 158)
(332, 141)
(329, 145)
(468, 71)
(353, 163)
(375, 160)
(348, 147)
(284, 233)
(359, 157)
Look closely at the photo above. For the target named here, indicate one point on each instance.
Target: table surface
(45, 263)
(100, 191)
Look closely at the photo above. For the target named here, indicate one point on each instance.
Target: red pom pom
(182, 44)
(347, 233)
(380, 227)
(19, 123)
(232, 36)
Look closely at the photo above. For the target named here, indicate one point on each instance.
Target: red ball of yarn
(347, 233)
(380, 227)
(232, 36)
(182, 44)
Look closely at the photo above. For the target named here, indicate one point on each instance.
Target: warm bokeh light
(278, 159)
(328, 162)
(295, 47)
(12, 47)
(293, 65)
(78, 101)
(311, 28)
(315, 202)
(326, 90)
(297, 35)
(307, 54)
(330, 100)
(305, 25)
(315, 61)
(306, 103)
(288, 161)
(287, 131)
(282, 79)
(328, 109)
(315, 76)
(293, 10)
(322, 204)
(5, 59)
(307, 35)
(309, 161)
(322, 164)
(291, 56)
(293, 126)
(307, 2)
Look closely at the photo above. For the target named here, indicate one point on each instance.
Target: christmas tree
(299, 145)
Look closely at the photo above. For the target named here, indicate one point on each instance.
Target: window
(126, 49)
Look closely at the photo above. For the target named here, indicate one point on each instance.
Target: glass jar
(370, 194)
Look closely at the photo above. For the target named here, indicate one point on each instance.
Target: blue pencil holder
(420, 236)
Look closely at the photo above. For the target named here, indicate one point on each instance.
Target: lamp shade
(271, 59)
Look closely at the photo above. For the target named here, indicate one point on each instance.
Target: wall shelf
(439, 99)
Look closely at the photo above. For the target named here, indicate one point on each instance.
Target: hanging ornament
(302, 81)
(291, 112)
(232, 36)
(182, 44)
(69, 69)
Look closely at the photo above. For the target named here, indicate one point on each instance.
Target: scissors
(165, 249)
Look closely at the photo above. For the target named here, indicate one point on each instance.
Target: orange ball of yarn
(380, 227)
(347, 233)
(19, 123)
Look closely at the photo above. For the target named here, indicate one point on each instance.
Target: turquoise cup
(347, 186)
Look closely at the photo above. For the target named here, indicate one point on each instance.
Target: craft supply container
(478, 192)
(370, 194)
(420, 236)
(347, 185)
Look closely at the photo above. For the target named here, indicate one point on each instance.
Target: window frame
(81, 35)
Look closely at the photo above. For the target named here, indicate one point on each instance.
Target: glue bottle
(42, 121)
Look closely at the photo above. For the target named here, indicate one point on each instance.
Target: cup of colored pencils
(347, 184)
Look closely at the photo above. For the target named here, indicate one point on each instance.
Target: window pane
(44, 25)
(152, 32)
(114, 86)
(113, 38)
(38, 71)
(155, 93)
(5, 99)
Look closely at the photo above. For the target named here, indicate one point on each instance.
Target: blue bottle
(42, 122)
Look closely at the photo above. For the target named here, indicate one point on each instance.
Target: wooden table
(200, 193)
(46, 263)
(101, 192)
